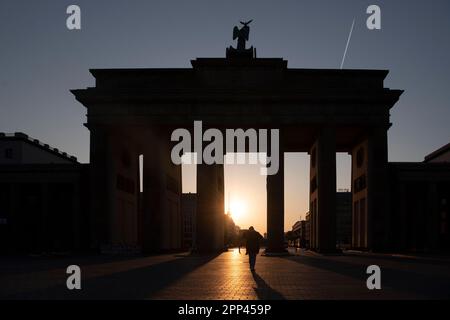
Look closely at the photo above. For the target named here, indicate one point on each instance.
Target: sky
(41, 60)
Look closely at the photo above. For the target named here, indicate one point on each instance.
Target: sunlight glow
(237, 209)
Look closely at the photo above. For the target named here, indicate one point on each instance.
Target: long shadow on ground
(264, 291)
(140, 283)
(429, 285)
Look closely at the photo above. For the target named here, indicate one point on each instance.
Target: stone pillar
(171, 222)
(323, 191)
(113, 188)
(275, 210)
(359, 195)
(160, 223)
(370, 187)
(101, 187)
(153, 197)
(210, 208)
(378, 213)
(124, 223)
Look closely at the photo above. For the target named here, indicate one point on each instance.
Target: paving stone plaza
(302, 275)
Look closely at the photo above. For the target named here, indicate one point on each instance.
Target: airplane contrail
(348, 42)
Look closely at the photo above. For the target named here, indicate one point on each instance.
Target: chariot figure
(242, 35)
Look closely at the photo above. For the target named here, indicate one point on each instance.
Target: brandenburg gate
(132, 112)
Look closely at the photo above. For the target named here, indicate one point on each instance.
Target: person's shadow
(264, 291)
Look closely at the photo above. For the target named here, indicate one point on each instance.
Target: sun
(237, 209)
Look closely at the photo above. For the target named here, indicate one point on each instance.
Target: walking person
(253, 239)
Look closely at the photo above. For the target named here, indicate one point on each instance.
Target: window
(359, 184)
(8, 153)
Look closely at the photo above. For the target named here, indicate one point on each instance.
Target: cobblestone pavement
(304, 275)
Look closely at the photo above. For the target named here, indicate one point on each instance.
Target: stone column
(159, 221)
(323, 191)
(153, 197)
(101, 186)
(378, 212)
(359, 195)
(370, 187)
(210, 208)
(275, 210)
